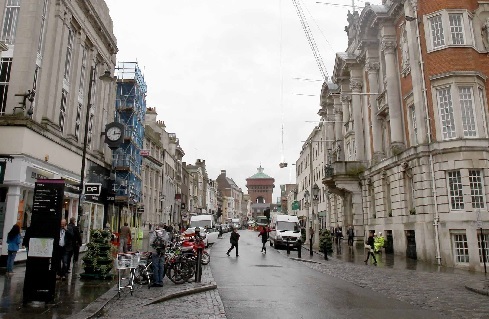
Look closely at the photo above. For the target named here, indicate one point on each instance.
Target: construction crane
(310, 39)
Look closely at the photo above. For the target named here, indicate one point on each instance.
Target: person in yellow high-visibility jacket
(378, 242)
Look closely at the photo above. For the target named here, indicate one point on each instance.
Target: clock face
(113, 133)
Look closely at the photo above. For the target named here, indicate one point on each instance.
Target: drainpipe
(436, 219)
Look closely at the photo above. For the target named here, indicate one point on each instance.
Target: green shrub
(325, 241)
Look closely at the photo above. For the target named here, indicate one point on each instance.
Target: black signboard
(3, 165)
(40, 274)
(182, 206)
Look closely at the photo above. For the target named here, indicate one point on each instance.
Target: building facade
(56, 51)
(127, 159)
(408, 155)
(260, 189)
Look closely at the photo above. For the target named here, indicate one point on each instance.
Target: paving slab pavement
(189, 300)
(422, 284)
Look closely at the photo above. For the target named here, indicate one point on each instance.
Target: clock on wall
(114, 134)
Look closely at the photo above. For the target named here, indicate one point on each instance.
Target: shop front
(20, 174)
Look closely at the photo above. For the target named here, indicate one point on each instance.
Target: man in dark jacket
(65, 248)
(264, 238)
(370, 242)
(234, 241)
(77, 242)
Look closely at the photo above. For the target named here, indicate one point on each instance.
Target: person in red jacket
(264, 238)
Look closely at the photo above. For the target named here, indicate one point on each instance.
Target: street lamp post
(315, 215)
(106, 78)
(308, 227)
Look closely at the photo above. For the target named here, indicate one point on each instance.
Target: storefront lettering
(35, 175)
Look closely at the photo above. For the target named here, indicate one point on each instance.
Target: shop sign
(32, 175)
(72, 188)
(93, 189)
(144, 153)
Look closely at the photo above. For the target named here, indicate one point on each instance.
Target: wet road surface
(255, 285)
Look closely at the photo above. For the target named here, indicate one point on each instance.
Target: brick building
(260, 188)
(407, 125)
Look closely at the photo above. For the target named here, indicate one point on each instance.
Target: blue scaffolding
(130, 111)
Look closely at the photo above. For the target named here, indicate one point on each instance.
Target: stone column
(393, 97)
(345, 105)
(416, 74)
(373, 81)
(356, 88)
(338, 124)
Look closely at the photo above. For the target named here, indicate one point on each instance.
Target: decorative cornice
(345, 98)
(356, 85)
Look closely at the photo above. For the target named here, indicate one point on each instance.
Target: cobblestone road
(443, 292)
(203, 305)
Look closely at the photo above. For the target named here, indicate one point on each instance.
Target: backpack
(159, 243)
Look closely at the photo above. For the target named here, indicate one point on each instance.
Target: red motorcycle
(191, 245)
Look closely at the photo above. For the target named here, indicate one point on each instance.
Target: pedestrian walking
(158, 241)
(65, 248)
(220, 232)
(77, 242)
(124, 237)
(351, 234)
(264, 238)
(14, 239)
(150, 226)
(378, 243)
(370, 247)
(234, 241)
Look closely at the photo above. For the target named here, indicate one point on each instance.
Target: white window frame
(69, 55)
(444, 15)
(478, 101)
(467, 112)
(5, 63)
(478, 192)
(40, 44)
(447, 113)
(10, 21)
(485, 234)
(460, 247)
(455, 193)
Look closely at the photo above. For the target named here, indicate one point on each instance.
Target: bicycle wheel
(178, 272)
(140, 275)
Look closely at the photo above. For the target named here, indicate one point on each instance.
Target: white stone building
(54, 49)
(408, 125)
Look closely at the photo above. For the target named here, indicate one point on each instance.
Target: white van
(203, 221)
(285, 228)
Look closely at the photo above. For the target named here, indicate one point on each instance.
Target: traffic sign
(296, 205)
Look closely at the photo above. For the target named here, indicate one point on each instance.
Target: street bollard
(299, 249)
(198, 269)
(310, 247)
(288, 246)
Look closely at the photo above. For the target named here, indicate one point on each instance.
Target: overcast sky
(221, 74)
